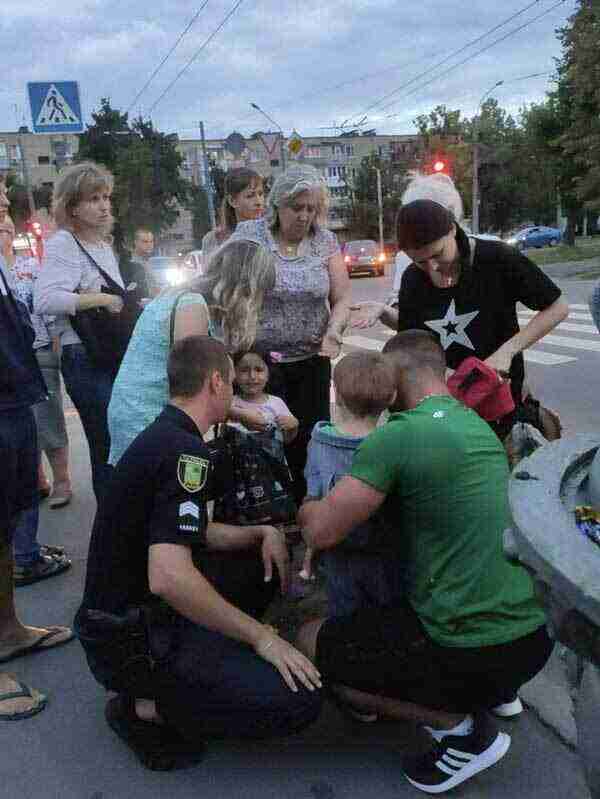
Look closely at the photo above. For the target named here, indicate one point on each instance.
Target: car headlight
(174, 277)
(512, 241)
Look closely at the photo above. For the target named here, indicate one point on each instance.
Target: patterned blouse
(296, 311)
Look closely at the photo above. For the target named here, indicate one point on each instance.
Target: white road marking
(585, 317)
(576, 328)
(572, 343)
(546, 358)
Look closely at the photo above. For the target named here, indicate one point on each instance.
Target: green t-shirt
(446, 474)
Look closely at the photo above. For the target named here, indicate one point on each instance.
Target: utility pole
(380, 204)
(207, 181)
(26, 180)
(475, 190)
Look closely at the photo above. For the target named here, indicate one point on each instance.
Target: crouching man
(169, 618)
(471, 632)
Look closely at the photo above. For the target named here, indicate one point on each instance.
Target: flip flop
(158, 747)
(23, 692)
(56, 636)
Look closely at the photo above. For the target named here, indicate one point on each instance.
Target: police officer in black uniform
(170, 613)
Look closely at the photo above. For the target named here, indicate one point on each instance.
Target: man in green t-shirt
(470, 632)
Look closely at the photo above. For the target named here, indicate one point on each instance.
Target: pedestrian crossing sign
(55, 107)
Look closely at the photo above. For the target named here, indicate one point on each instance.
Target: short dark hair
(192, 361)
(416, 350)
(422, 222)
(364, 382)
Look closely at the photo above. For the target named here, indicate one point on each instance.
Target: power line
(168, 55)
(448, 58)
(474, 55)
(197, 53)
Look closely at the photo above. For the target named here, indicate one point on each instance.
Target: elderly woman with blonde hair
(70, 282)
(305, 313)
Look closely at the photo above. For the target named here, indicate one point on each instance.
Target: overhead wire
(168, 55)
(448, 58)
(473, 55)
(206, 42)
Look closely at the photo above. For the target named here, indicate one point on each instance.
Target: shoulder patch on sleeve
(192, 472)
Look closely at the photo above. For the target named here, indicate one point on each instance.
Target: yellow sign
(295, 143)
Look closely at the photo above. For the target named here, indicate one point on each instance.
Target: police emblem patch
(192, 472)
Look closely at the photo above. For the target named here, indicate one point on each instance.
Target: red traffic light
(439, 166)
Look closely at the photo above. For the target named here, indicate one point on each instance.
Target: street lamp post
(475, 186)
(279, 128)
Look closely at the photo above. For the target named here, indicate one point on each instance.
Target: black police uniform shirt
(479, 314)
(156, 495)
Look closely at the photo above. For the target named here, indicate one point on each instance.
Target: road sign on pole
(55, 107)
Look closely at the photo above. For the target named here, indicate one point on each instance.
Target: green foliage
(146, 166)
(579, 73)
(198, 205)
(362, 208)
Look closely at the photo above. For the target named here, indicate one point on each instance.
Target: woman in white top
(69, 283)
(244, 200)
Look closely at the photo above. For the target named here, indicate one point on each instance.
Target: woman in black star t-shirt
(466, 291)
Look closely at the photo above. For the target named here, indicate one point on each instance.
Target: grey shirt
(67, 272)
(295, 313)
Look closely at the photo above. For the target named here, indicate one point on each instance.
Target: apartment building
(41, 154)
(337, 158)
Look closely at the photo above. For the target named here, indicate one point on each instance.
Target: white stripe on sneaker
(458, 753)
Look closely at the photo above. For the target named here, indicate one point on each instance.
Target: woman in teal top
(224, 302)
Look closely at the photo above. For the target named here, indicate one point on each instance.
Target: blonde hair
(364, 383)
(294, 181)
(237, 277)
(75, 184)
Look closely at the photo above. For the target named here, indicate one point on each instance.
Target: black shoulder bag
(106, 335)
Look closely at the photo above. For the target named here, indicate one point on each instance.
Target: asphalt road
(67, 751)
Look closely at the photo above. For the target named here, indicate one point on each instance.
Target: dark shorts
(19, 459)
(386, 651)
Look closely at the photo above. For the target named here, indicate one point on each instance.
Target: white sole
(487, 758)
(509, 710)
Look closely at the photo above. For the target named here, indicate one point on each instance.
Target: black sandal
(158, 747)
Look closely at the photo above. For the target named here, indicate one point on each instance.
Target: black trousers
(205, 684)
(305, 387)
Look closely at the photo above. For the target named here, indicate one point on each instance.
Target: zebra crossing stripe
(546, 358)
(572, 343)
(584, 317)
(575, 328)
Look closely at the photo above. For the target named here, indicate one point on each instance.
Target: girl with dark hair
(244, 199)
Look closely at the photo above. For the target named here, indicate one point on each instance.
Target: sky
(309, 64)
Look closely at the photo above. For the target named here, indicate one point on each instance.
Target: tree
(146, 165)
(198, 205)
(361, 207)
(580, 72)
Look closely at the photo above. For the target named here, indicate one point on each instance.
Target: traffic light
(440, 164)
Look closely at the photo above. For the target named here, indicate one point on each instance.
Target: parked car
(168, 270)
(536, 237)
(363, 256)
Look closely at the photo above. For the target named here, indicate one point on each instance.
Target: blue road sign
(55, 107)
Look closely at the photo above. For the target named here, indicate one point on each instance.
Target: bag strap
(110, 282)
(181, 294)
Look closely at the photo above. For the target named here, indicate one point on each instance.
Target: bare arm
(339, 300)
(191, 320)
(328, 521)
(538, 326)
(272, 545)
